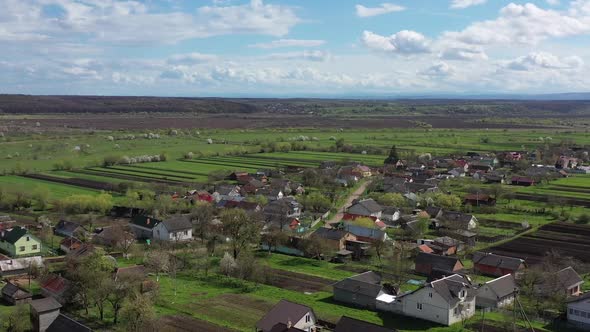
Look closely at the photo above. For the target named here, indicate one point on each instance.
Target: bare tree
(241, 228)
(158, 261)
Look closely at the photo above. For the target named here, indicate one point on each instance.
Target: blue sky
(294, 47)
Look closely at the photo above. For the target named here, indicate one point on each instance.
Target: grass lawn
(308, 266)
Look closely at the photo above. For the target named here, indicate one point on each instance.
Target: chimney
(289, 324)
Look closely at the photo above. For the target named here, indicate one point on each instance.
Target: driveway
(355, 195)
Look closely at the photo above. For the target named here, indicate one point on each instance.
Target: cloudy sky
(294, 47)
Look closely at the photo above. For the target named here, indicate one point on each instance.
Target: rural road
(356, 194)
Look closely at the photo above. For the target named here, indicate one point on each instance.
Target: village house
(446, 246)
(565, 162)
(497, 293)
(176, 228)
(496, 265)
(113, 237)
(578, 312)
(566, 282)
(390, 215)
(479, 199)
(286, 315)
(366, 234)
(250, 207)
(143, 226)
(522, 181)
(456, 220)
(281, 212)
(19, 266)
(227, 192)
(57, 287)
(194, 196)
(432, 264)
(46, 317)
(19, 242)
(69, 229)
(444, 301)
(70, 244)
(365, 208)
(14, 295)
(252, 187)
(272, 194)
(360, 290)
(335, 239)
(347, 324)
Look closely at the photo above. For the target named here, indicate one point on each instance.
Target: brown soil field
(299, 282)
(241, 121)
(189, 324)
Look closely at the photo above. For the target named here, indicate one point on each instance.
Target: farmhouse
(68, 229)
(565, 281)
(366, 234)
(56, 286)
(176, 228)
(446, 246)
(522, 181)
(13, 294)
(497, 293)
(496, 265)
(70, 244)
(578, 312)
(282, 211)
(361, 290)
(430, 264)
(19, 266)
(142, 226)
(347, 324)
(19, 242)
(365, 208)
(114, 237)
(228, 192)
(335, 239)
(445, 301)
(286, 315)
(456, 220)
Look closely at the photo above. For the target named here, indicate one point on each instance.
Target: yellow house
(19, 242)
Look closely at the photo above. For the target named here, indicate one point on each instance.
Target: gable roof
(347, 324)
(55, 284)
(329, 233)
(13, 235)
(365, 207)
(283, 312)
(177, 223)
(67, 226)
(64, 323)
(145, 221)
(45, 304)
(450, 287)
(503, 286)
(438, 262)
(360, 231)
(502, 262)
(368, 284)
(15, 292)
(568, 277)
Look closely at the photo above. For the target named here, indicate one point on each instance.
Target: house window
(571, 311)
(584, 314)
(21, 248)
(419, 306)
(307, 319)
(456, 311)
(576, 313)
(430, 294)
(186, 233)
(28, 238)
(462, 294)
(34, 247)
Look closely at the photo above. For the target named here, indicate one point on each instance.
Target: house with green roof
(18, 242)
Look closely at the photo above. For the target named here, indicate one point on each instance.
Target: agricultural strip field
(567, 239)
(57, 190)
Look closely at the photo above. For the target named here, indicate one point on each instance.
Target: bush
(583, 219)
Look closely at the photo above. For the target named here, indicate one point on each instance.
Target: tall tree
(393, 157)
(201, 216)
(241, 228)
(138, 314)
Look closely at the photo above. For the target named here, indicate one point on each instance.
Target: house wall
(307, 323)
(358, 300)
(486, 298)
(42, 321)
(141, 232)
(492, 270)
(161, 233)
(434, 309)
(576, 312)
(26, 245)
(466, 309)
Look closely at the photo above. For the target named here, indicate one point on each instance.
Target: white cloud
(461, 4)
(440, 69)
(526, 24)
(405, 42)
(384, 8)
(463, 53)
(305, 55)
(289, 43)
(190, 59)
(543, 60)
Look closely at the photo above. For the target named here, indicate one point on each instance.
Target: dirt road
(355, 195)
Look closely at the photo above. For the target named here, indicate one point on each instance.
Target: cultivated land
(57, 155)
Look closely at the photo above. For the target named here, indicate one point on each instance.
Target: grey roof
(66, 226)
(454, 219)
(390, 209)
(447, 241)
(502, 262)
(45, 304)
(450, 287)
(371, 233)
(503, 286)
(568, 277)
(365, 207)
(282, 312)
(177, 223)
(64, 323)
(329, 233)
(433, 211)
(438, 262)
(15, 292)
(368, 284)
(347, 324)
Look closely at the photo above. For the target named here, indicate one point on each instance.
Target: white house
(497, 293)
(578, 311)
(177, 228)
(445, 301)
(287, 315)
